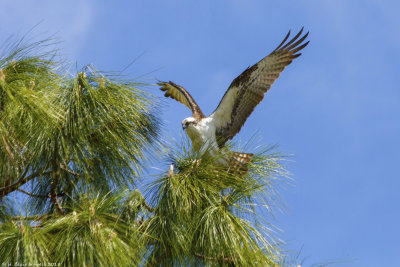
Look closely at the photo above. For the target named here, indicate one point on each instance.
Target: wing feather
(248, 89)
(180, 94)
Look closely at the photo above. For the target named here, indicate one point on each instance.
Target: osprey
(243, 95)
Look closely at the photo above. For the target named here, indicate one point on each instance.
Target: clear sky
(334, 108)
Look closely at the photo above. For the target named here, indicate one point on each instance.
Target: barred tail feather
(238, 162)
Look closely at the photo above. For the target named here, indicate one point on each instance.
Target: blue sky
(334, 108)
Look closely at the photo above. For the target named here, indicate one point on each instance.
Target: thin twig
(149, 208)
(67, 169)
(156, 261)
(224, 200)
(40, 196)
(31, 194)
(33, 217)
(8, 149)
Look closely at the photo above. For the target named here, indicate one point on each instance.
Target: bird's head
(187, 122)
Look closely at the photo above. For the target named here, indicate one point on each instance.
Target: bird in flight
(243, 95)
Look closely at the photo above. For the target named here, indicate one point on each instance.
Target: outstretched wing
(248, 89)
(181, 95)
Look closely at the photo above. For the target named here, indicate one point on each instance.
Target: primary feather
(248, 89)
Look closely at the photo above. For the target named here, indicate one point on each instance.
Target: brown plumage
(253, 83)
(179, 93)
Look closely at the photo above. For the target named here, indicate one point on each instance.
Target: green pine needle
(71, 143)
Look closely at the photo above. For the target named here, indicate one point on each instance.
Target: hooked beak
(184, 126)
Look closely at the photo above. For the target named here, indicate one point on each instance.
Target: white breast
(202, 135)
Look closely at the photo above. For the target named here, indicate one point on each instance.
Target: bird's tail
(238, 162)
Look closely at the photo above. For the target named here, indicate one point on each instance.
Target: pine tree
(72, 150)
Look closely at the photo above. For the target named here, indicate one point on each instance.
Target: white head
(187, 122)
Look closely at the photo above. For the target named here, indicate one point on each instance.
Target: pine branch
(219, 259)
(21, 180)
(142, 201)
(56, 203)
(55, 182)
